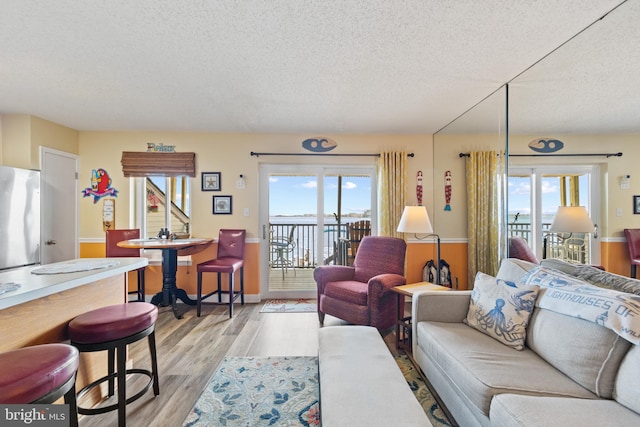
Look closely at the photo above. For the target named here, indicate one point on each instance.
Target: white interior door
(59, 202)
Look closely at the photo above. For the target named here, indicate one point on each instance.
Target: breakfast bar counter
(40, 308)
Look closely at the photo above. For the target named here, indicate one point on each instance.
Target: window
(152, 196)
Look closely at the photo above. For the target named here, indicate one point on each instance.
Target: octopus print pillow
(501, 309)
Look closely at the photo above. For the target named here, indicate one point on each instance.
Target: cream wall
(230, 155)
(22, 135)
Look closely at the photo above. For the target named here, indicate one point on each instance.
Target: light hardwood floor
(191, 349)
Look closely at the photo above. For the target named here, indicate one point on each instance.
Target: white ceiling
(324, 66)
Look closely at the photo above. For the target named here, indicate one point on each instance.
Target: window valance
(158, 164)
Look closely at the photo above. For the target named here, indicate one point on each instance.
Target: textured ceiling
(330, 66)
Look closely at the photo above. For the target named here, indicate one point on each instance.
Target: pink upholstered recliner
(633, 243)
(519, 248)
(360, 294)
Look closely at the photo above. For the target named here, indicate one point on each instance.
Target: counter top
(34, 286)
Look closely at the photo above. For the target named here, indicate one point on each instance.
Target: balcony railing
(301, 251)
(572, 247)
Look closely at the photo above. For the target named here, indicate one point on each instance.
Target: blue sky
(296, 195)
(520, 194)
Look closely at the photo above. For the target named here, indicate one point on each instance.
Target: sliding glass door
(310, 216)
(536, 192)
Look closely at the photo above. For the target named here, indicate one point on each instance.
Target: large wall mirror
(481, 129)
(569, 115)
(583, 97)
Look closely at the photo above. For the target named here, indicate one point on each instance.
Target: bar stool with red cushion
(115, 251)
(230, 259)
(112, 328)
(40, 374)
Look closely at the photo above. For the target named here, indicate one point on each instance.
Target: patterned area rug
(280, 391)
(260, 391)
(290, 306)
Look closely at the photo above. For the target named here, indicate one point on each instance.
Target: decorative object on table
(419, 187)
(546, 145)
(319, 145)
(222, 205)
(415, 219)
(302, 305)
(636, 205)
(211, 181)
(8, 287)
(447, 190)
(100, 186)
(74, 266)
(241, 393)
(430, 273)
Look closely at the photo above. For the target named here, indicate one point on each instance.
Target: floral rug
(280, 391)
(260, 391)
(290, 306)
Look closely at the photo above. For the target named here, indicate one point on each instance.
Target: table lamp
(572, 219)
(415, 219)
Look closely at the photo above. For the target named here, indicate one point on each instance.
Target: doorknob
(50, 242)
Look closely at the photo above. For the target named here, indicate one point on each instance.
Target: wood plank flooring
(191, 349)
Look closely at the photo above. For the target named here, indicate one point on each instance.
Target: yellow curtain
(392, 191)
(485, 174)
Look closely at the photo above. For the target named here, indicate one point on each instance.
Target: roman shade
(140, 164)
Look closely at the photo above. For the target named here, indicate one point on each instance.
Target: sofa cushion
(511, 410)
(349, 290)
(481, 367)
(584, 351)
(513, 269)
(604, 279)
(560, 265)
(626, 390)
(501, 309)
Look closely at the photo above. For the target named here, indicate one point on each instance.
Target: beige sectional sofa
(571, 371)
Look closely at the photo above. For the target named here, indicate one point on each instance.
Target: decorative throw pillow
(501, 309)
(603, 279)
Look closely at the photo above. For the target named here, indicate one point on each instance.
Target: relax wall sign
(160, 148)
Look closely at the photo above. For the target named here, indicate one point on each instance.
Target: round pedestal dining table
(170, 292)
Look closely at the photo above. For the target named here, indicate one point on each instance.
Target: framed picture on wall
(222, 205)
(211, 181)
(636, 205)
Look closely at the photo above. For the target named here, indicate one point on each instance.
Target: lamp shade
(415, 219)
(572, 219)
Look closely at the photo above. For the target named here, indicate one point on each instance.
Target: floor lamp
(415, 219)
(572, 219)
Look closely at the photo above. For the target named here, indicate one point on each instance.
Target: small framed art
(211, 181)
(636, 205)
(222, 205)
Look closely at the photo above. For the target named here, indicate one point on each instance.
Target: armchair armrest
(384, 282)
(440, 306)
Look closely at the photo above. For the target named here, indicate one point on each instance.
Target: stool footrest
(104, 409)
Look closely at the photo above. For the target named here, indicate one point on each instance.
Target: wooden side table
(403, 324)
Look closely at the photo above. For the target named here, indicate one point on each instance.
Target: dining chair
(633, 244)
(114, 251)
(230, 258)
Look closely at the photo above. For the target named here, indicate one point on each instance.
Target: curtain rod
(607, 155)
(253, 153)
